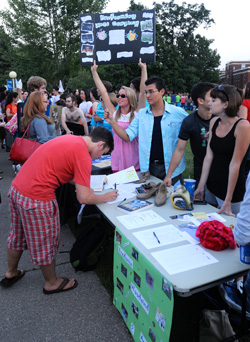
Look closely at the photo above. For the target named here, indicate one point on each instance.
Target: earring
(223, 114)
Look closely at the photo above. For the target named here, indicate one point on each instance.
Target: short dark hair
(73, 98)
(200, 90)
(108, 86)
(136, 83)
(232, 95)
(158, 81)
(56, 88)
(103, 134)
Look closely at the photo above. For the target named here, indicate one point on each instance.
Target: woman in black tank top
(229, 139)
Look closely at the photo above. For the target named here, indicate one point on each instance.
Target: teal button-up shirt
(142, 126)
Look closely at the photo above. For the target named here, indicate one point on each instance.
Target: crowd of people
(141, 125)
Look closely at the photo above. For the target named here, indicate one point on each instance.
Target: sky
(230, 31)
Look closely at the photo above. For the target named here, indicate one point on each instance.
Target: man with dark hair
(72, 117)
(194, 127)
(56, 96)
(34, 211)
(157, 128)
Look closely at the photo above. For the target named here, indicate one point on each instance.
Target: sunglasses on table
(123, 96)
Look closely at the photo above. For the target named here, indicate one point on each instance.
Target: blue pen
(156, 237)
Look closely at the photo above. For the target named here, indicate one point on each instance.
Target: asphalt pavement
(84, 314)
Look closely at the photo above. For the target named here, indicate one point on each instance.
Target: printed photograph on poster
(101, 34)
(137, 279)
(88, 49)
(124, 270)
(87, 37)
(147, 37)
(116, 37)
(167, 288)
(147, 25)
(87, 27)
(149, 280)
(151, 335)
(118, 238)
(160, 319)
(135, 254)
(119, 285)
(124, 313)
(135, 309)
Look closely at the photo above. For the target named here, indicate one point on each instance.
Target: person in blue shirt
(157, 128)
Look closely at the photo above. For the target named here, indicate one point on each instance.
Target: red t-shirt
(56, 162)
(246, 103)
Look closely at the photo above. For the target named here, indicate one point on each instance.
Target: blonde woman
(41, 128)
(125, 154)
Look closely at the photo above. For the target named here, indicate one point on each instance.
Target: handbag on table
(23, 148)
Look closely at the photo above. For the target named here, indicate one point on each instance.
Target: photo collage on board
(137, 285)
(117, 38)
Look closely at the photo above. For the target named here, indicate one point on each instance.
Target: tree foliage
(42, 38)
(46, 36)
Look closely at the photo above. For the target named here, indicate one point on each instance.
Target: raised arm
(102, 89)
(242, 141)
(142, 95)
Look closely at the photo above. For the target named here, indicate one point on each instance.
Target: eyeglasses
(150, 92)
(68, 101)
(222, 90)
(123, 96)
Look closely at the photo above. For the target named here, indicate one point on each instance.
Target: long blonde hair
(34, 108)
(132, 101)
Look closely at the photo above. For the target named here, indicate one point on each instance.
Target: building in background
(237, 73)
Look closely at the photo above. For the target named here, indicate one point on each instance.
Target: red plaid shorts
(35, 225)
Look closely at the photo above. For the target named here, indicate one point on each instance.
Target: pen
(122, 201)
(115, 186)
(156, 237)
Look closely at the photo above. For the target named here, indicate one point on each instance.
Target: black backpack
(92, 240)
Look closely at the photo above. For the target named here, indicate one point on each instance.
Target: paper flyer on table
(183, 258)
(125, 176)
(141, 219)
(160, 236)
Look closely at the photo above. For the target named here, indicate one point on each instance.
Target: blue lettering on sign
(125, 256)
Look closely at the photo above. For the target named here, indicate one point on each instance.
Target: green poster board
(143, 296)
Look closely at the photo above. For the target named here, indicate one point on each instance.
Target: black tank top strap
(216, 125)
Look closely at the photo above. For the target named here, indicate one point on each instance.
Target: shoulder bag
(23, 148)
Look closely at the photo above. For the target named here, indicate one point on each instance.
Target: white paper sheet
(160, 236)
(141, 219)
(125, 176)
(183, 258)
(116, 37)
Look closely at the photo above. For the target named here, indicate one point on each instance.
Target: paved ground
(85, 314)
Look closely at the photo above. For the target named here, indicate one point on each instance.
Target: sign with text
(118, 38)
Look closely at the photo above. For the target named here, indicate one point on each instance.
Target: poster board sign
(142, 295)
(117, 38)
